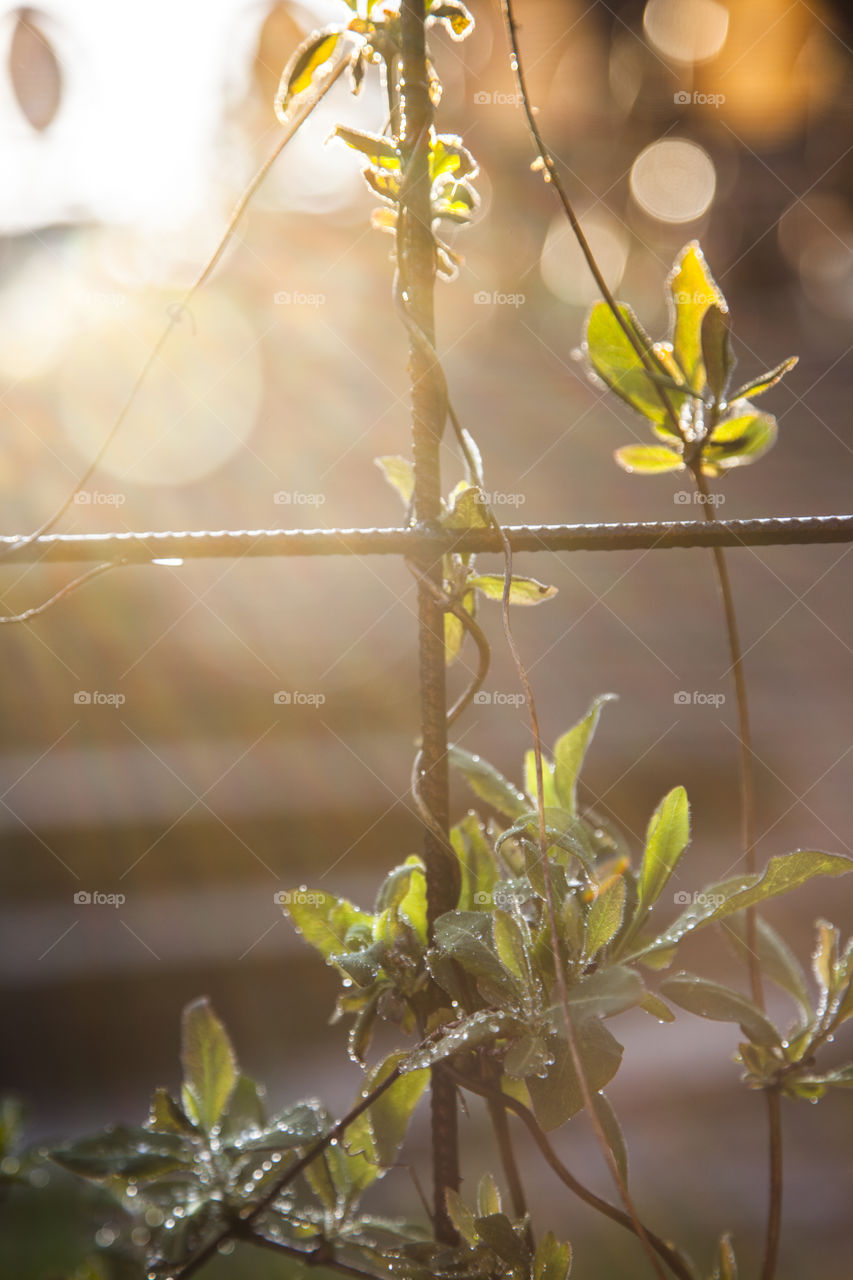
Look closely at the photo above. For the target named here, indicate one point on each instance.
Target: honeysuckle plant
(557, 926)
(681, 386)
(479, 996)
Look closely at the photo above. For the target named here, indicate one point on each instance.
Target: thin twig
(61, 594)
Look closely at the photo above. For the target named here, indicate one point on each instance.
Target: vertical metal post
(416, 263)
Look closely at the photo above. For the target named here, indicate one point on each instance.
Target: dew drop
(225, 1247)
(105, 1237)
(169, 1224)
(276, 1157)
(131, 1190)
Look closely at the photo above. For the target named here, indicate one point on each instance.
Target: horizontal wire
(204, 544)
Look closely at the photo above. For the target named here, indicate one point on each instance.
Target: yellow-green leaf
(319, 47)
(666, 839)
(209, 1063)
(522, 590)
(614, 358)
(648, 459)
(766, 380)
(693, 290)
(605, 916)
(739, 440)
(400, 474)
(569, 752)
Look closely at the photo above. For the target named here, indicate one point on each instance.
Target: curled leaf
(297, 76)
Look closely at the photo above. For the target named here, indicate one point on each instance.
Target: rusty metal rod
(203, 544)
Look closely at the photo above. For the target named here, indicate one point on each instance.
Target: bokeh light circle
(673, 180)
(686, 31)
(563, 267)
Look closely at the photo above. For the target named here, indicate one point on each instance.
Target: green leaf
(766, 380)
(605, 916)
(488, 1196)
(720, 1004)
(382, 152)
(825, 959)
(480, 1028)
(390, 1114)
(210, 1067)
(496, 1231)
(246, 1109)
(648, 459)
(466, 508)
(612, 356)
(612, 1132)
(777, 961)
(461, 1216)
(783, 873)
(476, 862)
(739, 440)
(656, 1007)
(454, 629)
(486, 782)
(717, 352)
(167, 1116)
(124, 1152)
(522, 590)
(727, 1266)
(466, 936)
(325, 921)
(602, 994)
(317, 49)
(786, 872)
(557, 1097)
(400, 474)
(510, 944)
(693, 290)
(667, 837)
(297, 1126)
(548, 787)
(553, 1259)
(569, 753)
(529, 1056)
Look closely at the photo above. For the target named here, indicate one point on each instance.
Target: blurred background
(144, 752)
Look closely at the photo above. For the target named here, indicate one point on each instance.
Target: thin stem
(577, 1063)
(645, 354)
(67, 590)
(322, 1255)
(416, 280)
(177, 310)
(747, 804)
(774, 1213)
